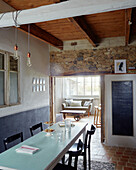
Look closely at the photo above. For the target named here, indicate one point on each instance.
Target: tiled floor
(124, 158)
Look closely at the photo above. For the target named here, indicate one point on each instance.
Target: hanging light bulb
(15, 52)
(15, 56)
(29, 60)
(29, 64)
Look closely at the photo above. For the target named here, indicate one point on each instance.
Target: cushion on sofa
(68, 102)
(64, 105)
(87, 103)
(75, 103)
(76, 108)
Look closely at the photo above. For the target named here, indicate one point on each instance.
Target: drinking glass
(67, 125)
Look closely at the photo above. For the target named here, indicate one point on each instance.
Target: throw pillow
(76, 103)
(68, 102)
(86, 104)
(64, 105)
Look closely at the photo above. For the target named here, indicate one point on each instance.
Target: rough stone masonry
(93, 61)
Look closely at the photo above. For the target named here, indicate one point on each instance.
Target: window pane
(66, 87)
(13, 64)
(1, 61)
(13, 88)
(72, 83)
(87, 85)
(80, 85)
(95, 85)
(1, 88)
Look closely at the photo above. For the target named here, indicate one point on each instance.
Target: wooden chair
(12, 138)
(35, 127)
(72, 154)
(86, 146)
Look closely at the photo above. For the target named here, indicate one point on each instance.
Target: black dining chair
(86, 147)
(12, 138)
(72, 154)
(35, 127)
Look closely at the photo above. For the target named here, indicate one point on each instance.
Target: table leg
(88, 113)
(77, 118)
(64, 115)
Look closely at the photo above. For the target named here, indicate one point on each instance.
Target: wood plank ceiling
(28, 4)
(91, 27)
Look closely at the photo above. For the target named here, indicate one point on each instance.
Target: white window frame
(7, 79)
(91, 95)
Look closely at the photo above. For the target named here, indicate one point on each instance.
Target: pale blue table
(51, 150)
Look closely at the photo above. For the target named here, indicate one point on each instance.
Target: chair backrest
(12, 138)
(93, 127)
(89, 133)
(34, 127)
(75, 154)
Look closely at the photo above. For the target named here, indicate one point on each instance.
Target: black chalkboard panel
(122, 108)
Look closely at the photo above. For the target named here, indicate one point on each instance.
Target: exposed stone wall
(95, 61)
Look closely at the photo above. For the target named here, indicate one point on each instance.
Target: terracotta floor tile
(119, 167)
(128, 168)
(132, 161)
(124, 158)
(131, 165)
(115, 158)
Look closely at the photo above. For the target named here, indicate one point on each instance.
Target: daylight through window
(82, 86)
(9, 79)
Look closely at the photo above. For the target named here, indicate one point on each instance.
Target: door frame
(102, 96)
(52, 96)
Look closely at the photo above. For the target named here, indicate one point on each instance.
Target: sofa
(78, 104)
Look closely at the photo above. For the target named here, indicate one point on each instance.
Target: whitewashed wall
(116, 140)
(40, 68)
(58, 94)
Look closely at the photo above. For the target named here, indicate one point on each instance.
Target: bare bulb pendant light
(29, 54)
(15, 56)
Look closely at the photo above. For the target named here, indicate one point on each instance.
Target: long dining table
(51, 149)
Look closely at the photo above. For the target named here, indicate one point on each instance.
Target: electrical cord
(2, 16)
(15, 17)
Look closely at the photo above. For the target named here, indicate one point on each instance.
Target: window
(9, 80)
(2, 79)
(82, 86)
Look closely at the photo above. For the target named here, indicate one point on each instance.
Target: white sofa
(78, 104)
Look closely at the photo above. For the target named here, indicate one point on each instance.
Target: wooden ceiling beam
(128, 13)
(81, 24)
(31, 4)
(42, 35)
(39, 33)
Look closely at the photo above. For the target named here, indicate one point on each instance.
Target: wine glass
(49, 131)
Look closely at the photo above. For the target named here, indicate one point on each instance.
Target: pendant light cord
(15, 17)
(16, 35)
(29, 38)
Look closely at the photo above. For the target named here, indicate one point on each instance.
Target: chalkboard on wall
(122, 108)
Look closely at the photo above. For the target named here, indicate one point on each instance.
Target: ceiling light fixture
(15, 56)
(29, 54)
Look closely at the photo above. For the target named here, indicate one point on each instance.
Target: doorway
(73, 87)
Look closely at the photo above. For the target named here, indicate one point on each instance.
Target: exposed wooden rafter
(24, 4)
(128, 13)
(38, 32)
(64, 10)
(42, 35)
(81, 24)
